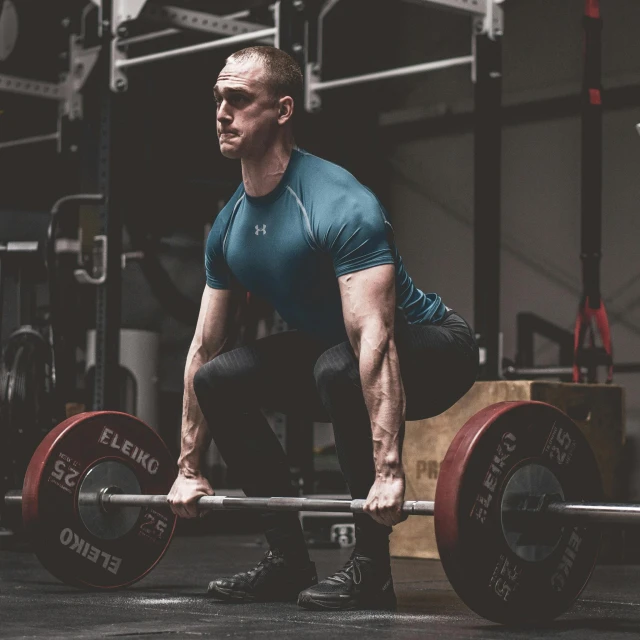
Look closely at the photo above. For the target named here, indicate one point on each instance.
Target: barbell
(516, 507)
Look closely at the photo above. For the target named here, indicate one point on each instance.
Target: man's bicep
(217, 310)
(368, 301)
(360, 240)
(217, 272)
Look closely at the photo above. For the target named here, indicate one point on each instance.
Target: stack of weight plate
(25, 413)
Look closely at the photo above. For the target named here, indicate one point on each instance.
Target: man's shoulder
(319, 176)
(238, 194)
(226, 212)
(222, 219)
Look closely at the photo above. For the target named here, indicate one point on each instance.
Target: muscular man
(367, 350)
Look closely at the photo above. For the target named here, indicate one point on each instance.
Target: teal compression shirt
(290, 246)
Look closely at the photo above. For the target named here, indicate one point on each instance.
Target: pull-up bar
(314, 85)
(49, 137)
(392, 73)
(203, 46)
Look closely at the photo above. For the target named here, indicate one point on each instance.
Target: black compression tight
(292, 373)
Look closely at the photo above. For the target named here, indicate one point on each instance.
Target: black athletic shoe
(362, 583)
(273, 580)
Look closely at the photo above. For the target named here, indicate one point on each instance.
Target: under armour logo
(262, 230)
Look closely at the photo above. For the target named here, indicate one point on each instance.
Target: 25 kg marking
(154, 525)
(563, 447)
(65, 473)
(506, 578)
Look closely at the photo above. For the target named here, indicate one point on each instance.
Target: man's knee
(204, 381)
(337, 368)
(226, 379)
(215, 376)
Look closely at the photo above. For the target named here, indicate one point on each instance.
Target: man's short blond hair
(282, 72)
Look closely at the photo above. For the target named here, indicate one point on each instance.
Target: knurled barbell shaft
(415, 507)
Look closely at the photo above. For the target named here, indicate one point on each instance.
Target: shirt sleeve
(216, 269)
(357, 239)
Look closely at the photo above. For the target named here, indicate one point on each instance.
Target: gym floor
(170, 602)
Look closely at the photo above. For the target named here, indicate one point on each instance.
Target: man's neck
(262, 175)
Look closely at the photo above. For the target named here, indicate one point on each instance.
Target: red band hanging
(592, 8)
(585, 321)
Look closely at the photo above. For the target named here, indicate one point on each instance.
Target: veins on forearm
(384, 397)
(195, 436)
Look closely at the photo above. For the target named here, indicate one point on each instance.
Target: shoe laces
(269, 560)
(270, 556)
(350, 572)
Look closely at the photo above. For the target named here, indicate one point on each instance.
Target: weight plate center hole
(529, 534)
(104, 521)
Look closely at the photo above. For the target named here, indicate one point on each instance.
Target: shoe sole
(313, 604)
(228, 594)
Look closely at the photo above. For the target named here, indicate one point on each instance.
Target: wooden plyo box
(598, 409)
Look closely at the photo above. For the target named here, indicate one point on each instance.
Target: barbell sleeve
(601, 513)
(13, 497)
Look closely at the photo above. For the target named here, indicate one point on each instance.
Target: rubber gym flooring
(169, 602)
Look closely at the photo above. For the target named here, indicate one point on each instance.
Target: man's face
(247, 113)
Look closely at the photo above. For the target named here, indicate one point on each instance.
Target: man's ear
(285, 109)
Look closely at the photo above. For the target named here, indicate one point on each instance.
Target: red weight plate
(50, 511)
(487, 574)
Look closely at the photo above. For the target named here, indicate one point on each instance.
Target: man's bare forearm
(385, 400)
(195, 435)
